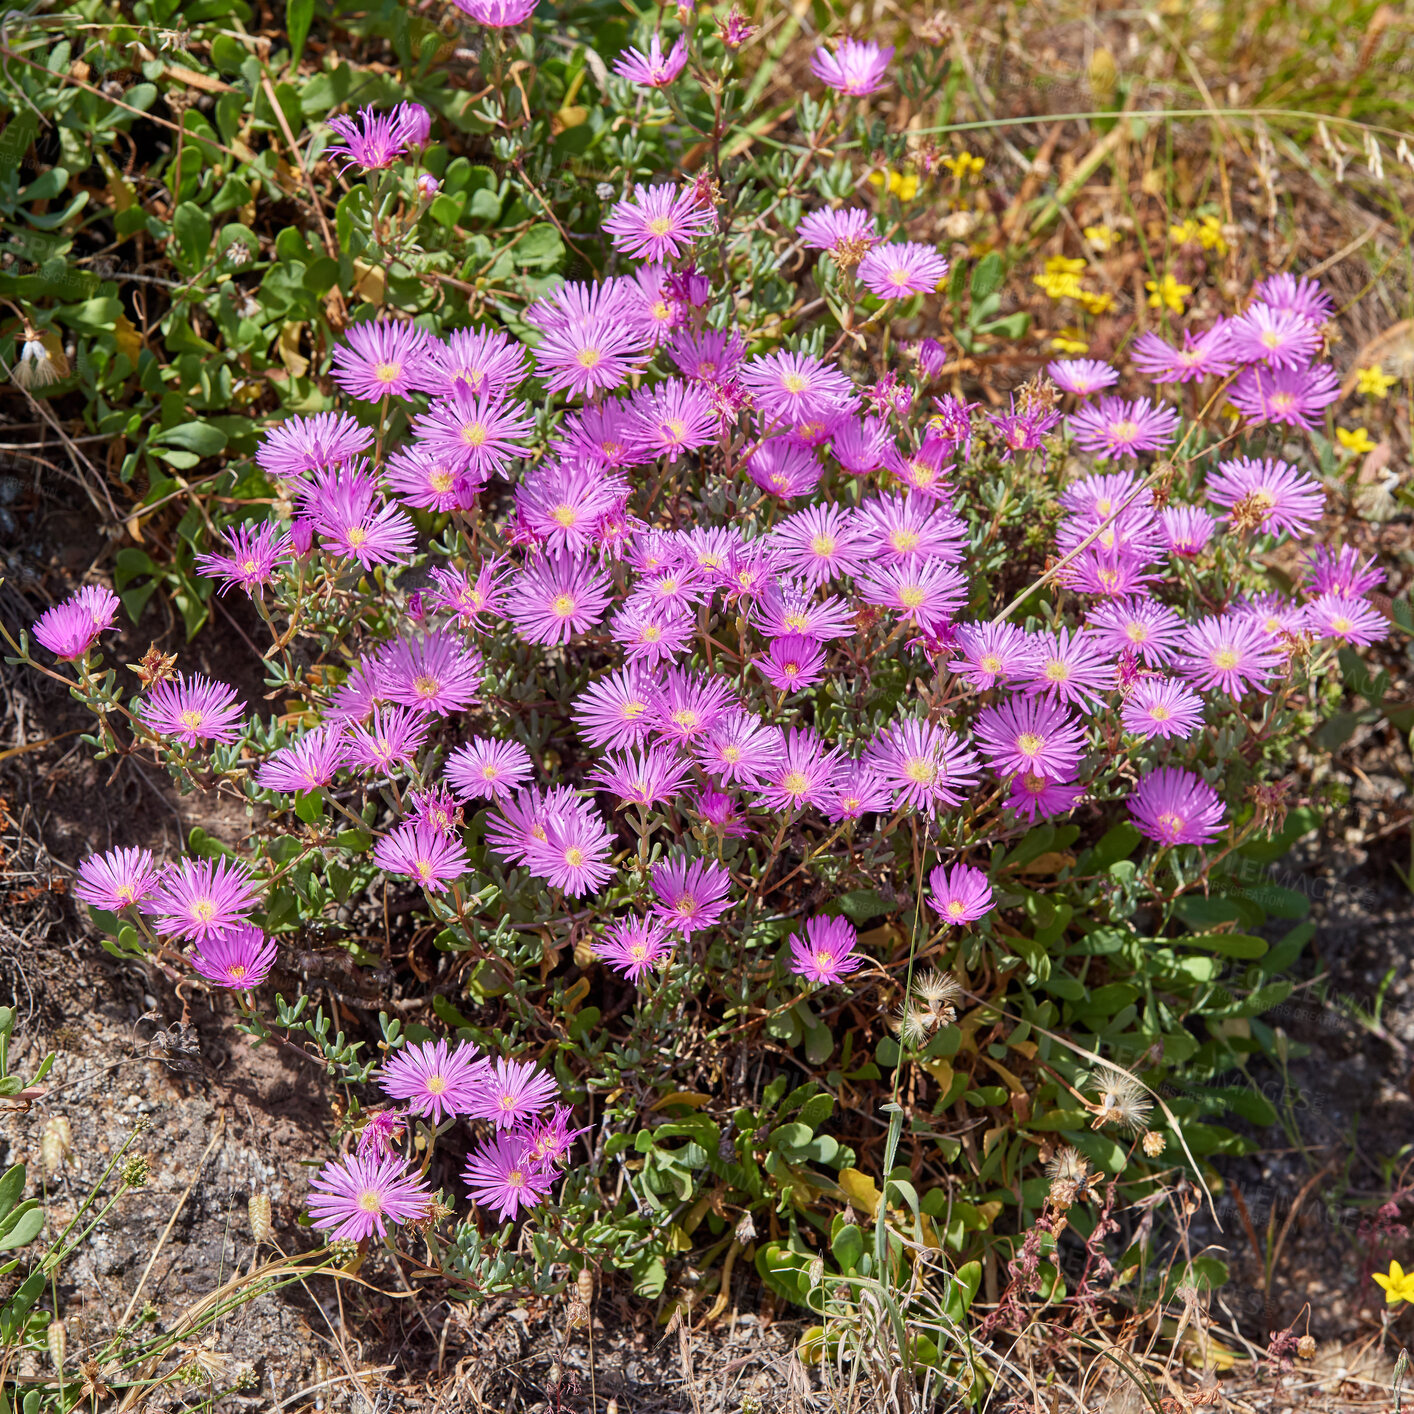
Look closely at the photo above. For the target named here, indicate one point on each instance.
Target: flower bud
(427, 186)
(135, 1171)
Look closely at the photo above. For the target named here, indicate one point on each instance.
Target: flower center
(823, 545)
(991, 664)
(905, 540)
(1226, 659)
(436, 1085)
(956, 908)
(474, 434)
(1170, 822)
(1125, 431)
(824, 962)
(371, 1201)
(660, 225)
(441, 481)
(574, 857)
(921, 770)
(794, 383)
(426, 686)
(911, 596)
(191, 719)
(203, 910)
(388, 372)
(686, 718)
(1159, 713)
(1137, 633)
(356, 535)
(1030, 743)
(589, 358)
(236, 971)
(796, 783)
(562, 606)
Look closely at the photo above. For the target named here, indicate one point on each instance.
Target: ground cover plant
(794, 820)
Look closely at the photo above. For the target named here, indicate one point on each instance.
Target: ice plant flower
(652, 776)
(1041, 797)
(501, 1174)
(1199, 356)
(1162, 707)
(793, 388)
(1344, 617)
(511, 1093)
(191, 710)
(1230, 653)
(857, 67)
(741, 749)
(928, 766)
(1297, 293)
(1172, 807)
(71, 628)
(1325, 570)
(371, 140)
(435, 1079)
(392, 738)
(201, 898)
(1291, 397)
(615, 711)
(117, 879)
(961, 894)
(353, 1198)
(1082, 376)
(300, 445)
(253, 553)
(690, 896)
(497, 14)
(481, 433)
(237, 959)
(1032, 735)
(1267, 496)
(902, 268)
(556, 597)
(993, 654)
(847, 233)
(653, 69)
(657, 223)
(380, 1133)
(1186, 529)
(828, 951)
(1144, 627)
(421, 852)
(486, 769)
(1115, 427)
(380, 358)
(634, 946)
(803, 776)
(1280, 338)
(1071, 667)
(437, 674)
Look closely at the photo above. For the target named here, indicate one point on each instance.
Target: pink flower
(827, 952)
(556, 597)
(653, 69)
(927, 766)
(488, 769)
(237, 959)
(634, 946)
(1228, 652)
(420, 851)
(1172, 807)
(192, 709)
(615, 711)
(71, 628)
(1268, 496)
(1032, 735)
(501, 1173)
(657, 223)
(353, 1198)
(804, 775)
(435, 1079)
(201, 899)
(902, 268)
(380, 358)
(1162, 707)
(690, 897)
(511, 1093)
(857, 67)
(117, 879)
(961, 894)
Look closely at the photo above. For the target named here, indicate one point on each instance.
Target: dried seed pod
(584, 1285)
(258, 1210)
(56, 1144)
(57, 1338)
(1153, 1143)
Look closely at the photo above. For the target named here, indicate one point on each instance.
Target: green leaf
(192, 228)
(539, 249)
(847, 1245)
(22, 1226)
(12, 1184)
(199, 437)
(1244, 945)
(863, 904)
(309, 806)
(966, 1281)
(299, 15)
(987, 276)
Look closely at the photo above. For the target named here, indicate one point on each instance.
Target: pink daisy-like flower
(1279, 618)
(1115, 427)
(858, 789)
(821, 543)
(781, 467)
(393, 738)
(1140, 626)
(961, 894)
(521, 821)
(860, 445)
(1277, 337)
(804, 775)
(511, 1093)
(857, 67)
(71, 628)
(434, 806)
(485, 769)
(1109, 574)
(1186, 529)
(1267, 496)
(497, 14)
(556, 597)
(827, 952)
(1031, 735)
(686, 705)
(993, 654)
(549, 1141)
(428, 482)
(648, 777)
(308, 763)
(709, 355)
(1041, 797)
(748, 570)
(847, 233)
(1292, 397)
(481, 433)
(353, 1197)
(793, 388)
(117, 879)
(588, 355)
(1162, 707)
(784, 609)
(470, 600)
(192, 709)
(1024, 431)
(672, 417)
(923, 473)
(353, 520)
(371, 140)
(690, 896)
(1297, 293)
(1347, 618)
(653, 69)
(501, 1174)
(903, 530)
(926, 593)
(1173, 807)
(1200, 356)
(380, 359)
(434, 1078)
(237, 959)
(201, 898)
(437, 674)
(1325, 570)
(1229, 653)
(562, 504)
(792, 663)
(484, 360)
(902, 268)
(574, 855)
(381, 1132)
(1082, 376)
(741, 750)
(634, 946)
(1099, 496)
(926, 765)
(422, 852)
(1070, 667)
(658, 223)
(651, 634)
(299, 445)
(615, 711)
(721, 813)
(253, 553)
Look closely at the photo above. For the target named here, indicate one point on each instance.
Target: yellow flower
(1095, 303)
(1167, 294)
(1373, 382)
(964, 165)
(1061, 278)
(1398, 1286)
(1357, 441)
(903, 185)
(1210, 235)
(1101, 238)
(1064, 344)
(1183, 232)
